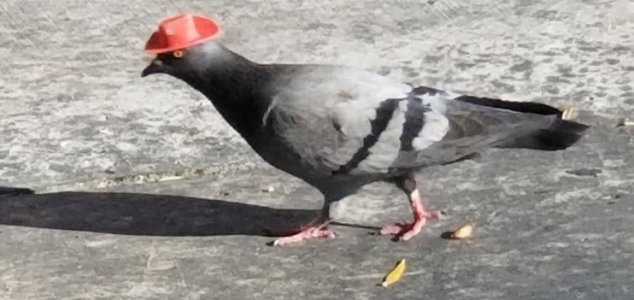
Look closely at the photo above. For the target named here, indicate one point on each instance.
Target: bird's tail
(561, 133)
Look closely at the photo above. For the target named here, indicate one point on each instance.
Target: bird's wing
(345, 120)
(332, 116)
(457, 129)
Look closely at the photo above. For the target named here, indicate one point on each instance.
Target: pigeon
(339, 128)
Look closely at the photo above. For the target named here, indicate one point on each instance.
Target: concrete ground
(137, 189)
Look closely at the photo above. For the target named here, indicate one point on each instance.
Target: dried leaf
(463, 232)
(395, 274)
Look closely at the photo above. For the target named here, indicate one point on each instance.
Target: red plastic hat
(181, 32)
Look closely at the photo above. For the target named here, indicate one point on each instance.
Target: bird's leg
(406, 231)
(317, 228)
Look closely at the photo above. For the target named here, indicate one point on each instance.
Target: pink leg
(406, 231)
(318, 228)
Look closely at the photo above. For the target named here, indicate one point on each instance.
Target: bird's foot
(405, 231)
(313, 231)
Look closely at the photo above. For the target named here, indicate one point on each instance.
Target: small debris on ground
(170, 178)
(269, 189)
(625, 122)
(569, 113)
(585, 172)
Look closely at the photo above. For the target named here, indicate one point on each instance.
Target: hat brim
(183, 46)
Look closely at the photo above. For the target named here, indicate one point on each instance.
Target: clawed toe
(321, 231)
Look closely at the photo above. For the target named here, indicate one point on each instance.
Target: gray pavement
(139, 190)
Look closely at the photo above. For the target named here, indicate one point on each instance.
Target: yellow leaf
(395, 274)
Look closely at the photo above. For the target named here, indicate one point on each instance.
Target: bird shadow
(143, 214)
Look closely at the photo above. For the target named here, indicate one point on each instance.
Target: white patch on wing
(353, 122)
(386, 149)
(435, 102)
(434, 129)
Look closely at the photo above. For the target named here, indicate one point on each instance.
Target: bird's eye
(178, 53)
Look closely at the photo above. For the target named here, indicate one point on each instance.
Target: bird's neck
(236, 87)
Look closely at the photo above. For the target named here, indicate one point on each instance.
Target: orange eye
(178, 53)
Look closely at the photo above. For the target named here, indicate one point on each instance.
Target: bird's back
(344, 121)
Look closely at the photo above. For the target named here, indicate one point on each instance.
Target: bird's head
(185, 46)
(184, 63)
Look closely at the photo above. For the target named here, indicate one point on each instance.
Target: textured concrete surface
(143, 192)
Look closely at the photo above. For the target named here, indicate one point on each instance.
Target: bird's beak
(156, 66)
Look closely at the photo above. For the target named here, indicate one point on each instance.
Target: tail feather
(560, 135)
(525, 107)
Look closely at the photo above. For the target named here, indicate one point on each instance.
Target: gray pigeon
(339, 128)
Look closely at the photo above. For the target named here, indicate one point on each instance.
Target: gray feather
(325, 112)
